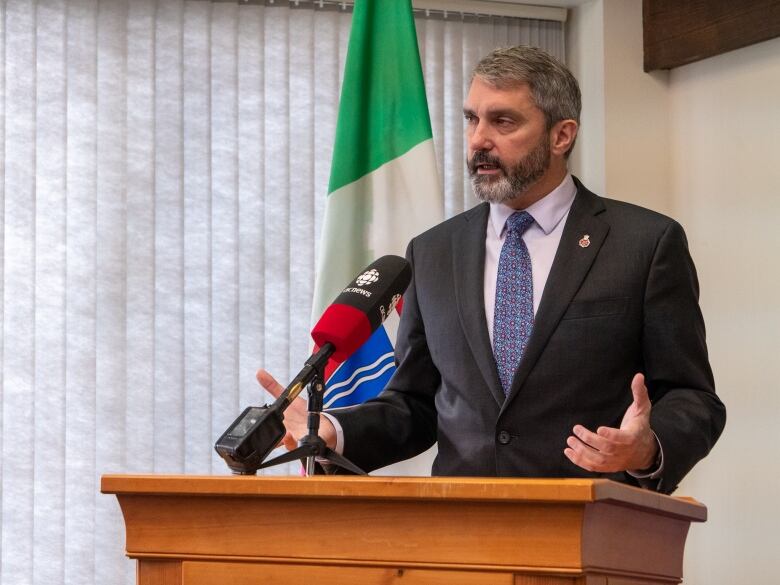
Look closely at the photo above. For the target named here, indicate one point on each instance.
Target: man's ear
(562, 136)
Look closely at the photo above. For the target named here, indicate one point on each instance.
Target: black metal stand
(312, 448)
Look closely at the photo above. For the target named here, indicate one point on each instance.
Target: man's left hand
(631, 447)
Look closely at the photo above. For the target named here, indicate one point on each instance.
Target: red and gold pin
(585, 241)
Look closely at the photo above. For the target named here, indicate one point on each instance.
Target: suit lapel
(469, 268)
(570, 266)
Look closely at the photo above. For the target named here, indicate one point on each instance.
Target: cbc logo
(368, 277)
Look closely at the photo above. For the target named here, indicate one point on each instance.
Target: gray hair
(553, 87)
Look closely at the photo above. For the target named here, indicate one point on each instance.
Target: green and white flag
(384, 188)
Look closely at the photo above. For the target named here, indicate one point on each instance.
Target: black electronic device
(251, 437)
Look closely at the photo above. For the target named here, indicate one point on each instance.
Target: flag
(384, 188)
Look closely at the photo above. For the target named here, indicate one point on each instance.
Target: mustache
(484, 157)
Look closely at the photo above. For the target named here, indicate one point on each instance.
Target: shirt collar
(547, 212)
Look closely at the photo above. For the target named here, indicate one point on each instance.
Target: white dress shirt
(541, 239)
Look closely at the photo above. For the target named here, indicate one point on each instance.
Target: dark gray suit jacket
(627, 303)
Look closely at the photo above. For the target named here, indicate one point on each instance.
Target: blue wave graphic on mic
(363, 375)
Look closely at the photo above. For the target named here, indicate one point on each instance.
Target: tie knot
(519, 222)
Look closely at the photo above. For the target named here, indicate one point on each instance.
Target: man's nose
(480, 138)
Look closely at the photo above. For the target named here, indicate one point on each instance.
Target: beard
(512, 182)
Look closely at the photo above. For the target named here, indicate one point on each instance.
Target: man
(547, 332)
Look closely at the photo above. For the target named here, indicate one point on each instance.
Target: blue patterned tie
(514, 311)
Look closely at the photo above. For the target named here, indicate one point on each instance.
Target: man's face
(508, 141)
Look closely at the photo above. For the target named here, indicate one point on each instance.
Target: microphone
(353, 317)
(362, 307)
(345, 325)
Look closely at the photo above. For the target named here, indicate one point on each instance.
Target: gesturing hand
(631, 447)
(296, 415)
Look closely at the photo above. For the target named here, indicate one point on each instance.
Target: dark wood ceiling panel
(677, 32)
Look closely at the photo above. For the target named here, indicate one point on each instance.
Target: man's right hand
(296, 415)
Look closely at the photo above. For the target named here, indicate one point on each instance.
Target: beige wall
(637, 113)
(702, 143)
(585, 57)
(625, 113)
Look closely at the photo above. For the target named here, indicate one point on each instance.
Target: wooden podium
(187, 530)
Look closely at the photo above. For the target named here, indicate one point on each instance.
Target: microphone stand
(312, 448)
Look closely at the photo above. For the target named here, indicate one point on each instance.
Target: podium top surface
(509, 490)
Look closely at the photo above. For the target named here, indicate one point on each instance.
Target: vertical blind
(164, 167)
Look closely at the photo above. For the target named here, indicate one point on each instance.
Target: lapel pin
(585, 241)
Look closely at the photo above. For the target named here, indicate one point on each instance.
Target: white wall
(725, 145)
(702, 143)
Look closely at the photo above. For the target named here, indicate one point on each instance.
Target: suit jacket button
(504, 437)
